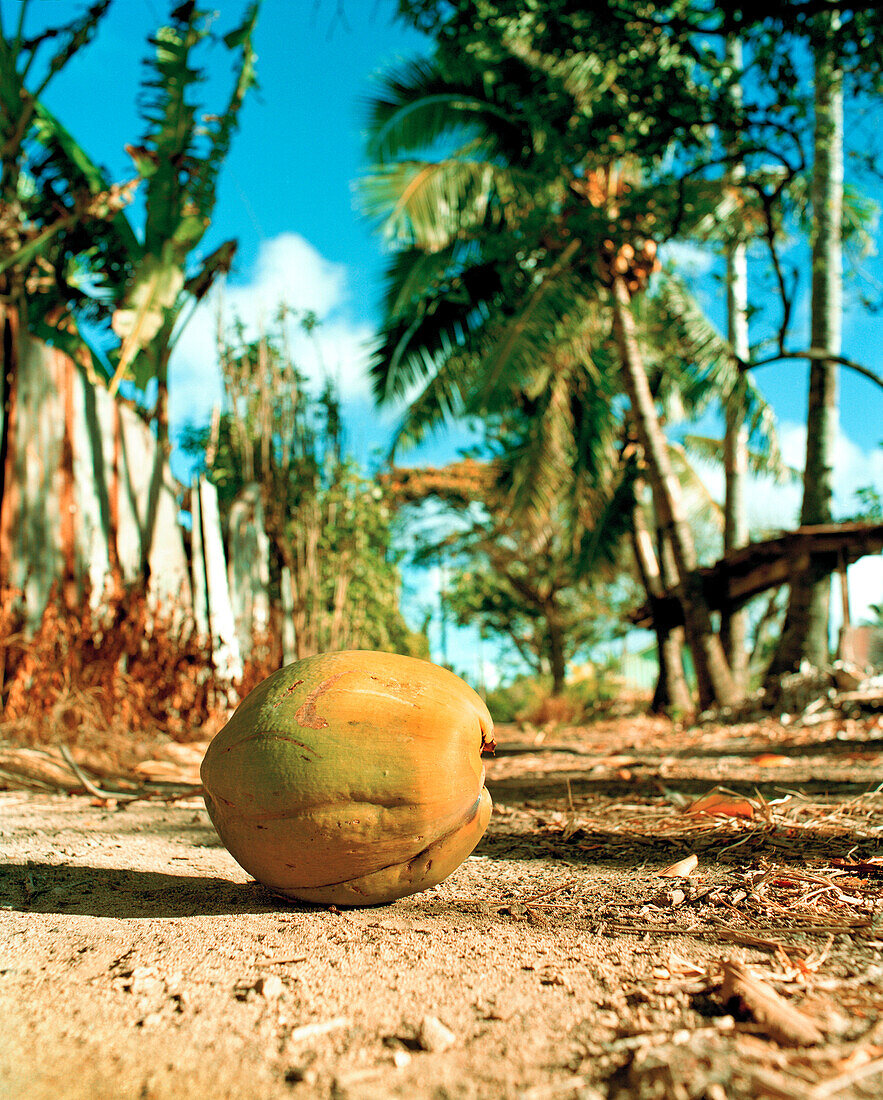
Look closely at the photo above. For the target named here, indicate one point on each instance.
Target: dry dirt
(138, 961)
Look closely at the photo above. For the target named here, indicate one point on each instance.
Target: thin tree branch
(814, 355)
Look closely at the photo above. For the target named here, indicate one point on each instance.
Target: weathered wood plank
(759, 566)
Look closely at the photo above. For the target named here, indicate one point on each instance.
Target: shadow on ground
(830, 746)
(561, 786)
(634, 849)
(113, 892)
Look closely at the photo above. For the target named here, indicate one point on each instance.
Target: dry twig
(784, 1023)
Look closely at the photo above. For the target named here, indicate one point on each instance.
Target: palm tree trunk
(805, 633)
(672, 693)
(557, 661)
(705, 645)
(734, 624)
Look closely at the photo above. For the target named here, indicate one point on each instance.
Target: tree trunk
(734, 624)
(672, 694)
(708, 655)
(163, 451)
(557, 662)
(805, 633)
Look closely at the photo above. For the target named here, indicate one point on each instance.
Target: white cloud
(854, 468)
(288, 270)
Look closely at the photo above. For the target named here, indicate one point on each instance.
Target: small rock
(302, 1073)
(434, 1036)
(270, 988)
(400, 1058)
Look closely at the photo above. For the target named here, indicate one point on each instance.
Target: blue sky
(287, 194)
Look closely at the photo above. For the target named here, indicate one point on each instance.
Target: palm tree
(501, 253)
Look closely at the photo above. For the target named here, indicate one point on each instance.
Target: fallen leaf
(718, 804)
(682, 869)
(770, 760)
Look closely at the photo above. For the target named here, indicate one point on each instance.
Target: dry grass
(114, 683)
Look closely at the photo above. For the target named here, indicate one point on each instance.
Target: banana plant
(43, 214)
(179, 160)
(87, 259)
(148, 277)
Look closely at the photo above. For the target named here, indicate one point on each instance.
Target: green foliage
(521, 604)
(70, 243)
(869, 505)
(59, 217)
(495, 285)
(330, 527)
(546, 586)
(496, 302)
(529, 698)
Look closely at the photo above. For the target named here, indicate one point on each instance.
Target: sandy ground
(138, 961)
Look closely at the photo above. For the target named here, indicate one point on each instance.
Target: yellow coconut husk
(352, 777)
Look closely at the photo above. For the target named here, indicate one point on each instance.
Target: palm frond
(700, 503)
(711, 370)
(414, 342)
(440, 400)
(418, 106)
(430, 202)
(548, 311)
(413, 275)
(760, 462)
(600, 541)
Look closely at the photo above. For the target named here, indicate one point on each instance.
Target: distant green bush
(530, 698)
